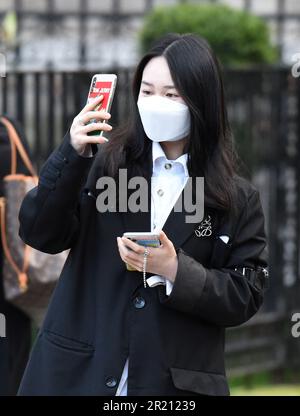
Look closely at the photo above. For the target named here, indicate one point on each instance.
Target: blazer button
(111, 382)
(139, 302)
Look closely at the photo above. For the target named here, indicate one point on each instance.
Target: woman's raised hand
(80, 128)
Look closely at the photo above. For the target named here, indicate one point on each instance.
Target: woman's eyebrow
(151, 85)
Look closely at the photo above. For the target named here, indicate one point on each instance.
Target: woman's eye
(170, 95)
(146, 92)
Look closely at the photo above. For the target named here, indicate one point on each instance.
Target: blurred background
(51, 49)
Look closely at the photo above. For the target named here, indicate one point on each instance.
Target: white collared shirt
(168, 180)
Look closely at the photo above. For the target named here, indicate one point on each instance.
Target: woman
(105, 332)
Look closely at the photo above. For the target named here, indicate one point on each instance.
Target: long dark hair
(197, 77)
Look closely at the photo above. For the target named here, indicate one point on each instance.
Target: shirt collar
(159, 156)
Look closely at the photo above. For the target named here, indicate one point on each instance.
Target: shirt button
(111, 382)
(168, 166)
(160, 192)
(139, 302)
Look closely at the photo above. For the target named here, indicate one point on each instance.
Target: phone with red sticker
(102, 84)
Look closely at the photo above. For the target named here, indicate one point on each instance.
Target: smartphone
(147, 239)
(102, 84)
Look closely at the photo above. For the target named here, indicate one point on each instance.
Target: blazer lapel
(175, 227)
(138, 221)
(178, 230)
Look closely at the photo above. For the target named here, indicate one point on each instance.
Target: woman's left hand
(160, 260)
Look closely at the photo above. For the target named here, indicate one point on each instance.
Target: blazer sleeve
(223, 296)
(48, 216)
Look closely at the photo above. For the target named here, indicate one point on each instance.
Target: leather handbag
(29, 275)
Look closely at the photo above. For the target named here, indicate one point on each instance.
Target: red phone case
(101, 88)
(98, 88)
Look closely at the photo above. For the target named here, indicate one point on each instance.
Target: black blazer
(101, 313)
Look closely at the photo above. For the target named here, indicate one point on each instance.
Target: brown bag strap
(16, 144)
(22, 274)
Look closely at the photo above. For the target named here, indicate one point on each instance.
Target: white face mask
(164, 119)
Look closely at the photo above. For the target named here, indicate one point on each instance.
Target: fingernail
(105, 139)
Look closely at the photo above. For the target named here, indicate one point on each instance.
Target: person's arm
(48, 216)
(223, 296)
